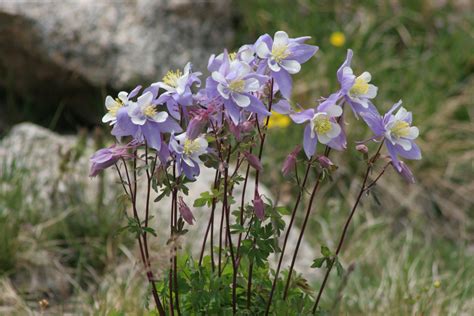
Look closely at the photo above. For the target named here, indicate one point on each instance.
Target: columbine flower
(357, 90)
(187, 152)
(290, 161)
(398, 133)
(113, 105)
(283, 56)
(235, 83)
(106, 157)
(322, 126)
(185, 211)
(144, 122)
(178, 89)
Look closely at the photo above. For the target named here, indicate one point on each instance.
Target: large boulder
(67, 51)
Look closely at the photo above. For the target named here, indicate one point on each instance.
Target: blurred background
(410, 249)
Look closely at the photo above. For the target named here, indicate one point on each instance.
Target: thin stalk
(290, 226)
(303, 228)
(363, 189)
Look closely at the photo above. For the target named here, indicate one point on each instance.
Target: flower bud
(253, 161)
(362, 148)
(235, 130)
(247, 126)
(290, 162)
(326, 163)
(258, 206)
(185, 211)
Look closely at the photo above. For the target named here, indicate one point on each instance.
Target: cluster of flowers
(173, 116)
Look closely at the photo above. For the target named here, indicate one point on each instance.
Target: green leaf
(340, 268)
(318, 262)
(325, 251)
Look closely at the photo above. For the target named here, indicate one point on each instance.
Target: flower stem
(363, 189)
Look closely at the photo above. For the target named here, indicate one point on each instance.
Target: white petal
(292, 66)
(405, 143)
(109, 102)
(160, 117)
(108, 117)
(273, 65)
(262, 50)
(372, 92)
(251, 85)
(280, 39)
(401, 114)
(187, 68)
(334, 110)
(123, 96)
(188, 161)
(366, 76)
(324, 138)
(224, 92)
(414, 132)
(335, 130)
(145, 99)
(241, 100)
(138, 120)
(217, 76)
(347, 71)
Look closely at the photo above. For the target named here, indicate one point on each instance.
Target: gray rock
(66, 50)
(44, 154)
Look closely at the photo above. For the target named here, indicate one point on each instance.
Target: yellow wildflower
(337, 39)
(278, 120)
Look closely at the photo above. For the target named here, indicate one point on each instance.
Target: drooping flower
(144, 121)
(185, 211)
(322, 126)
(397, 131)
(356, 89)
(177, 86)
(282, 57)
(253, 161)
(259, 206)
(290, 162)
(106, 157)
(235, 83)
(187, 152)
(114, 105)
(404, 171)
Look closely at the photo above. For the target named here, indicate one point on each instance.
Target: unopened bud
(258, 206)
(362, 148)
(326, 163)
(290, 162)
(253, 161)
(185, 211)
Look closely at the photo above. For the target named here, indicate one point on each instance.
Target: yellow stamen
(322, 125)
(280, 52)
(171, 78)
(232, 56)
(237, 86)
(400, 129)
(360, 87)
(190, 146)
(149, 110)
(114, 109)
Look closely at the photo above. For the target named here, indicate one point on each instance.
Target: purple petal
(346, 63)
(309, 144)
(303, 116)
(152, 135)
(282, 106)
(124, 125)
(302, 53)
(283, 79)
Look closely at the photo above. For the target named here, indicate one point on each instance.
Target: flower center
(360, 87)
(114, 109)
(400, 129)
(190, 146)
(149, 110)
(233, 56)
(171, 78)
(280, 52)
(237, 86)
(322, 125)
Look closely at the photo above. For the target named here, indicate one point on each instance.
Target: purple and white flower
(282, 57)
(322, 126)
(177, 86)
(356, 89)
(113, 105)
(397, 131)
(106, 157)
(187, 152)
(235, 83)
(144, 122)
